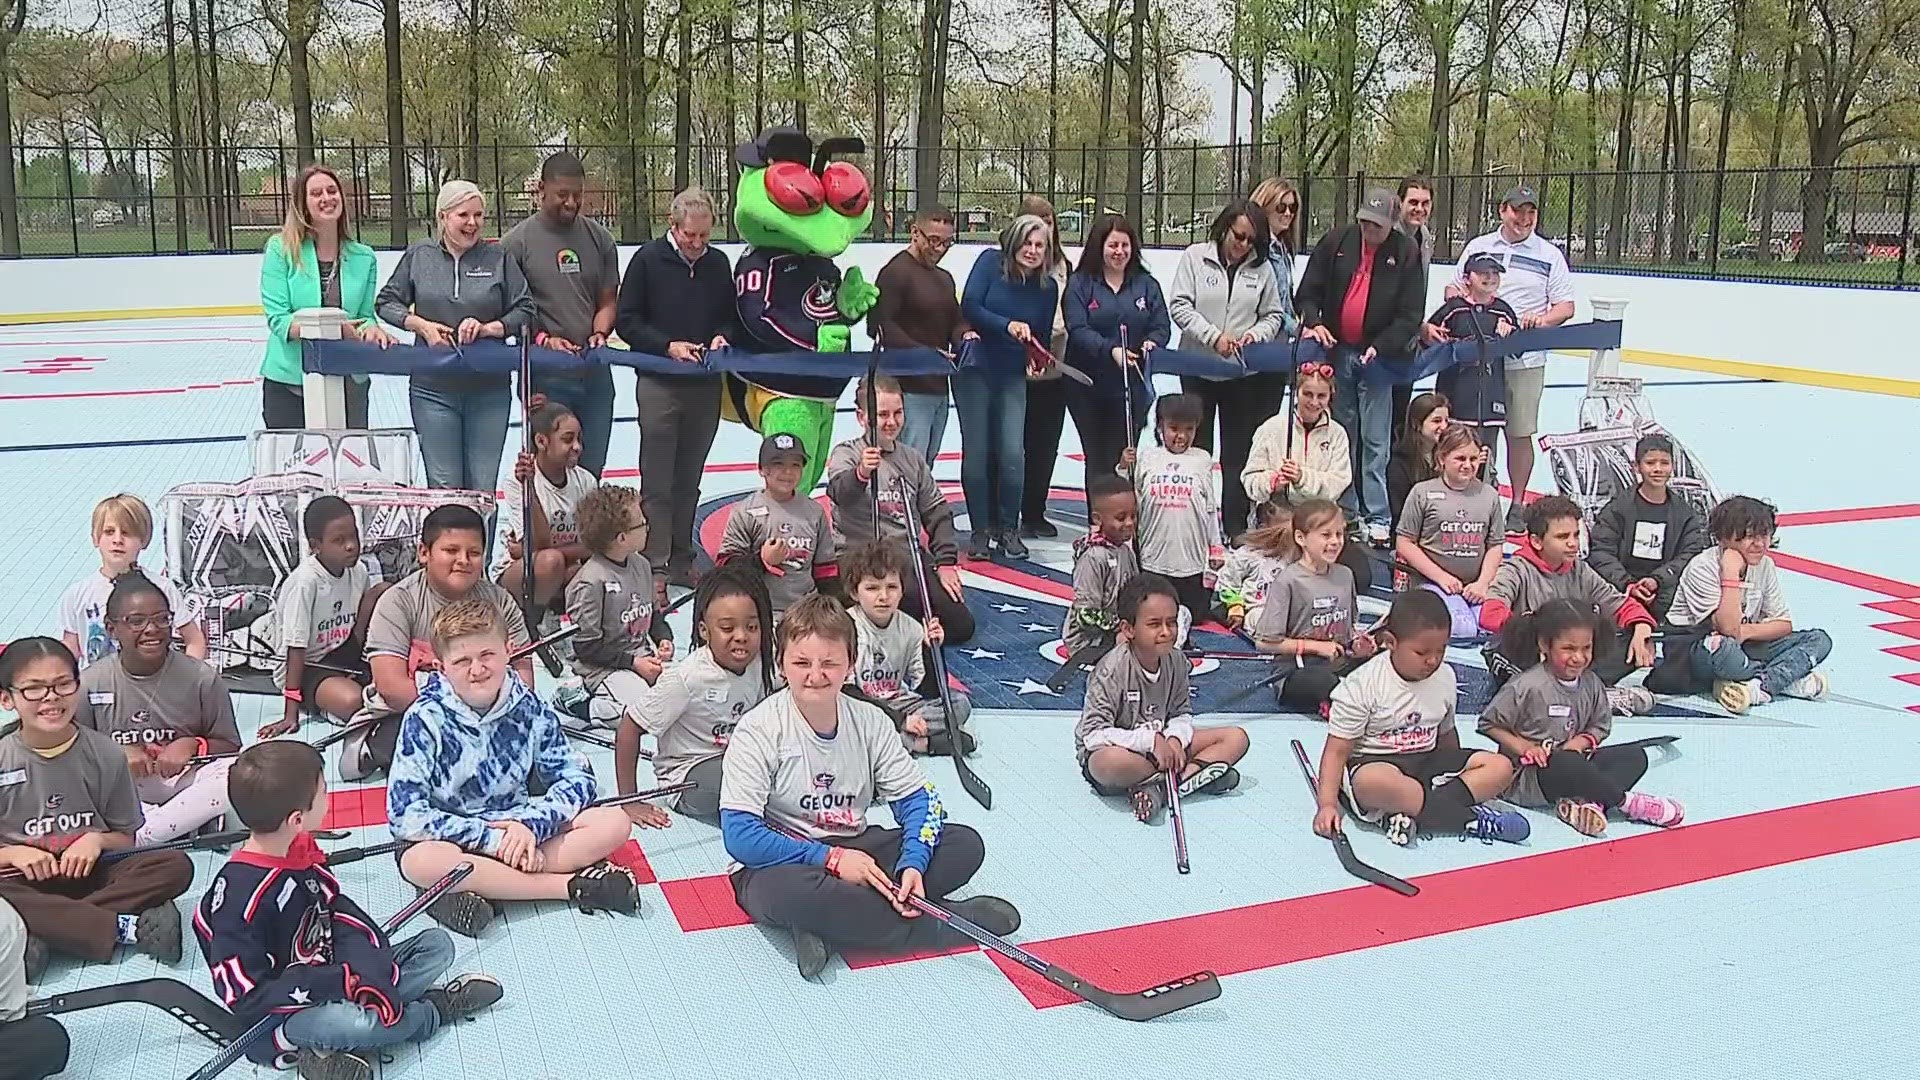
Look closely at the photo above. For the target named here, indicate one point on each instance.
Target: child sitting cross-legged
(1137, 722)
(458, 787)
(1730, 605)
(1551, 719)
(1308, 619)
(891, 667)
(1392, 745)
(343, 989)
(1645, 536)
(1451, 531)
(1103, 563)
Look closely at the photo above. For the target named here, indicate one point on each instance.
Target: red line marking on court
(1906, 609)
(74, 342)
(77, 394)
(628, 856)
(1328, 924)
(1905, 652)
(1898, 590)
(354, 808)
(1860, 513)
(1904, 629)
(703, 903)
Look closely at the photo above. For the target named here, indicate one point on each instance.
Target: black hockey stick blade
(1081, 662)
(208, 842)
(969, 779)
(643, 796)
(1344, 848)
(1154, 1001)
(1179, 820)
(1246, 692)
(175, 998)
(587, 735)
(1648, 743)
(237, 1049)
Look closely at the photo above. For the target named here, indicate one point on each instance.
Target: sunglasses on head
(1324, 371)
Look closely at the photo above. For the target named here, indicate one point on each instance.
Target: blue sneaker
(1489, 825)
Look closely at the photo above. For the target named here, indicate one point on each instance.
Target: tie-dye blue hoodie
(455, 770)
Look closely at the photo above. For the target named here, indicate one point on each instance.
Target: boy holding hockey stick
(1137, 720)
(1392, 746)
(779, 532)
(458, 790)
(891, 669)
(311, 953)
(1103, 563)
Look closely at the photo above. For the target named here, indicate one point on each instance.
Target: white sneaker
(356, 757)
(1378, 535)
(1630, 700)
(1812, 686)
(1186, 624)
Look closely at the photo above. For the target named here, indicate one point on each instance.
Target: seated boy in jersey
(621, 646)
(560, 483)
(1137, 722)
(163, 709)
(1546, 567)
(458, 791)
(37, 1046)
(343, 990)
(1476, 387)
(320, 614)
(122, 529)
(1103, 563)
(1730, 616)
(779, 532)
(800, 775)
(1393, 749)
(891, 667)
(1645, 536)
(66, 800)
(903, 473)
(453, 542)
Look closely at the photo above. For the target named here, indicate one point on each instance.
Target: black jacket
(1396, 300)
(663, 300)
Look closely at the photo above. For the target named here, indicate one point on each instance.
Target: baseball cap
(1378, 207)
(782, 447)
(1521, 195)
(1486, 261)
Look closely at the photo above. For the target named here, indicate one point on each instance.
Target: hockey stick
(1126, 388)
(209, 842)
(642, 796)
(1082, 661)
(1648, 743)
(350, 730)
(171, 996)
(1343, 847)
(873, 436)
(970, 780)
(237, 1049)
(529, 492)
(1154, 1001)
(587, 736)
(1179, 821)
(245, 654)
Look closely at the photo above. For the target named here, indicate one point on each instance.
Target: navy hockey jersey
(783, 299)
(279, 935)
(1476, 388)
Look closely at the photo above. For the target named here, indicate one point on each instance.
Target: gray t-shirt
(1179, 516)
(1099, 571)
(612, 604)
(801, 522)
(314, 611)
(889, 663)
(692, 710)
(567, 270)
(903, 471)
(1535, 705)
(1454, 527)
(779, 769)
(183, 700)
(50, 802)
(1127, 705)
(1698, 595)
(402, 623)
(1305, 605)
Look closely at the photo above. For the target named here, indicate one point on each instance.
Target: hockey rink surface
(1771, 936)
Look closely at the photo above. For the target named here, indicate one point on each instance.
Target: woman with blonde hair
(1010, 299)
(314, 261)
(450, 290)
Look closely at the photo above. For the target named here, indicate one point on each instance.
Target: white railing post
(325, 396)
(1605, 363)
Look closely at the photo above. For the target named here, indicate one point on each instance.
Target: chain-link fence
(1853, 225)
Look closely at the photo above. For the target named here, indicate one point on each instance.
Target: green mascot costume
(797, 209)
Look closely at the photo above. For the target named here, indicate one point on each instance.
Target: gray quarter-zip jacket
(483, 283)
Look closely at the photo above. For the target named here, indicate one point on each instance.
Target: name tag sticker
(1559, 712)
(13, 778)
(714, 693)
(100, 697)
(1321, 603)
(612, 586)
(1133, 697)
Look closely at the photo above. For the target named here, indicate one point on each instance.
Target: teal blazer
(286, 288)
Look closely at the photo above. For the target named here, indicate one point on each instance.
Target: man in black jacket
(676, 300)
(1362, 297)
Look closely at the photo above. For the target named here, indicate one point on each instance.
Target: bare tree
(13, 20)
(1850, 52)
(936, 30)
(297, 21)
(398, 181)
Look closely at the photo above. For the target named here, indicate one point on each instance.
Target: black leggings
(1040, 441)
(703, 802)
(1243, 405)
(1604, 778)
(1309, 689)
(954, 617)
(36, 1048)
(849, 916)
(1194, 596)
(1103, 428)
(283, 406)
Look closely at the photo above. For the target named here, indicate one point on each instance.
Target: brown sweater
(918, 306)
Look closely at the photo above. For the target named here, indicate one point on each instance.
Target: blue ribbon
(498, 358)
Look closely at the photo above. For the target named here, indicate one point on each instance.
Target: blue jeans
(1366, 411)
(1778, 664)
(925, 424)
(993, 424)
(342, 1025)
(462, 434)
(591, 399)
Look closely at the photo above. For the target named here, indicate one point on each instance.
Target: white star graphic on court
(300, 996)
(1036, 628)
(1028, 686)
(1008, 607)
(985, 654)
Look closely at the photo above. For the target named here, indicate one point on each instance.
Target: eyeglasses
(161, 620)
(934, 241)
(40, 691)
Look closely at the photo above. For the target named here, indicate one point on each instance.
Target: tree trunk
(936, 21)
(204, 164)
(222, 211)
(1483, 104)
(877, 153)
(1769, 179)
(303, 17)
(9, 208)
(730, 87)
(759, 67)
(399, 180)
(1256, 110)
(1233, 98)
(1053, 99)
(1107, 63)
(1620, 203)
(683, 100)
(1160, 62)
(1136, 112)
(1433, 156)
(798, 22)
(473, 91)
(1683, 223)
(629, 195)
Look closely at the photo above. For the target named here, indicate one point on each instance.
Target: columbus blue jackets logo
(823, 781)
(54, 800)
